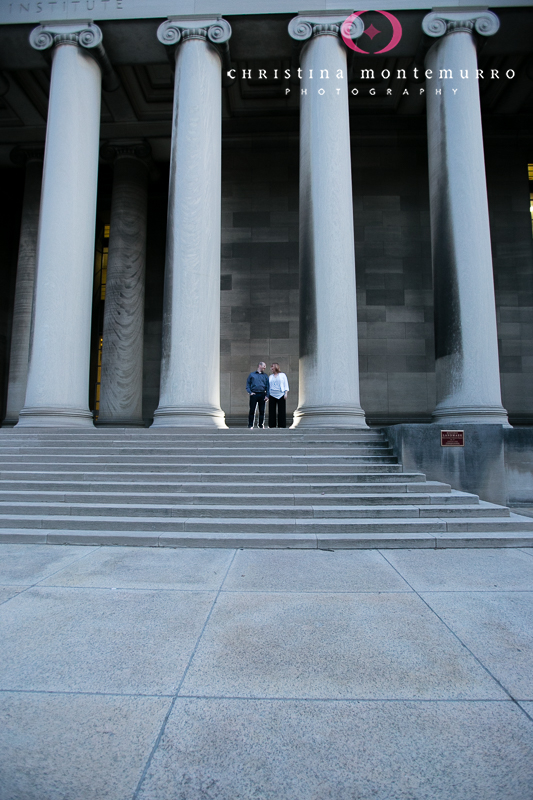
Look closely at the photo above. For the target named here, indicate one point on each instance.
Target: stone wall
(393, 264)
(259, 283)
(260, 272)
(153, 304)
(512, 251)
(10, 216)
(495, 463)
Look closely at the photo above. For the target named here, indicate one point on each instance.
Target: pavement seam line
(87, 694)
(390, 565)
(523, 710)
(456, 636)
(274, 699)
(123, 588)
(269, 699)
(37, 583)
(180, 684)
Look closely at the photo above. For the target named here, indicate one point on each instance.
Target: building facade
(189, 190)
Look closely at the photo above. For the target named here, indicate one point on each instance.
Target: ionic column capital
(305, 27)
(178, 29)
(126, 148)
(84, 34)
(440, 23)
(81, 34)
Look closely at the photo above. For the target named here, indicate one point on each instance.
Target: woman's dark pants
(278, 404)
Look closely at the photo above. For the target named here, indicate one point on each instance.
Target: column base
(55, 418)
(329, 417)
(189, 417)
(10, 422)
(478, 415)
(119, 423)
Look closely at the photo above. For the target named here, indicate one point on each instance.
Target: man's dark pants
(279, 404)
(257, 400)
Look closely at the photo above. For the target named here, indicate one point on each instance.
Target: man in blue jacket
(257, 387)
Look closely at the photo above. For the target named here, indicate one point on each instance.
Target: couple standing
(274, 388)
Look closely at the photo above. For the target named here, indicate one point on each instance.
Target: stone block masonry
(393, 264)
(259, 282)
(259, 272)
(260, 278)
(259, 268)
(512, 253)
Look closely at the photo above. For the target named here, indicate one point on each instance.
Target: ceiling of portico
(142, 105)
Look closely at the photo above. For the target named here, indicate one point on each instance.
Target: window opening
(100, 281)
(98, 378)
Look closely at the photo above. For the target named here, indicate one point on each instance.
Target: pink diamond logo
(372, 31)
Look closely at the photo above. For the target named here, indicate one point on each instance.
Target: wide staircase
(233, 488)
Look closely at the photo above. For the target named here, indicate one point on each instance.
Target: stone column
(329, 369)
(190, 366)
(32, 157)
(122, 349)
(466, 343)
(58, 377)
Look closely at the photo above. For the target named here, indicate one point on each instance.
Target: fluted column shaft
(329, 369)
(190, 366)
(58, 378)
(23, 304)
(466, 344)
(122, 349)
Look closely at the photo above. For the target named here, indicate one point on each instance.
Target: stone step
(289, 511)
(218, 525)
(233, 488)
(199, 452)
(514, 522)
(251, 443)
(232, 539)
(179, 441)
(183, 434)
(238, 499)
(8, 468)
(245, 442)
(364, 525)
(39, 483)
(265, 459)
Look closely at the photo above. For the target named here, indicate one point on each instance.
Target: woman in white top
(279, 386)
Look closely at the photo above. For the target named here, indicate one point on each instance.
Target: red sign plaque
(452, 438)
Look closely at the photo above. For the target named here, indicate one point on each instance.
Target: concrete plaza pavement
(213, 674)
